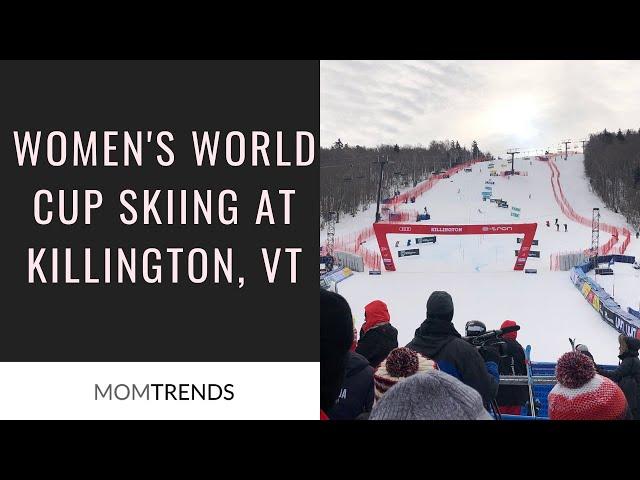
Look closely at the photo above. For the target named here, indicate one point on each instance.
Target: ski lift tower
(583, 142)
(595, 237)
(512, 152)
(566, 148)
(331, 233)
(382, 163)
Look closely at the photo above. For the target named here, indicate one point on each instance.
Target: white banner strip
(175, 390)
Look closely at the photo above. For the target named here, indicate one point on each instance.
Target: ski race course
(478, 270)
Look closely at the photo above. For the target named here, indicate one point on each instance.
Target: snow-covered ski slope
(477, 270)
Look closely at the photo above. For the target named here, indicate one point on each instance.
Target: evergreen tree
(474, 149)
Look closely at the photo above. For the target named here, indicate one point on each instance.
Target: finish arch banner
(382, 229)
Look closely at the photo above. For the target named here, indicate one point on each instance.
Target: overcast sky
(501, 104)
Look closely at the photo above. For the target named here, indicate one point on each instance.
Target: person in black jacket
(437, 338)
(356, 394)
(336, 336)
(511, 398)
(377, 336)
(627, 375)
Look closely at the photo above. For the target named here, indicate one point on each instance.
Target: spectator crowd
(441, 375)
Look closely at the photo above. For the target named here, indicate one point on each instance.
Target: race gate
(382, 229)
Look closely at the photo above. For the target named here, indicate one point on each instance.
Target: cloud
(501, 104)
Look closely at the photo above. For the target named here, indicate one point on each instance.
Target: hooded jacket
(377, 336)
(627, 375)
(437, 338)
(356, 394)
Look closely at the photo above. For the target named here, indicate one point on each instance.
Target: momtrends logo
(164, 391)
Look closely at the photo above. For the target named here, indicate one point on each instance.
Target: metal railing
(524, 380)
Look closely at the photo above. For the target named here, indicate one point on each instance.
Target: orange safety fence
(428, 184)
(354, 242)
(566, 208)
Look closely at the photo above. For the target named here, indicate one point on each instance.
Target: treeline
(612, 164)
(349, 175)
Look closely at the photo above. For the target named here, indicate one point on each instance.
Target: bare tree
(349, 181)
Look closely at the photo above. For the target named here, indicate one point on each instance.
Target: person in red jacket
(511, 398)
(377, 336)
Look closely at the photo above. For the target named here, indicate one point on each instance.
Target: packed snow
(478, 270)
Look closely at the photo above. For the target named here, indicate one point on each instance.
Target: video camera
(492, 339)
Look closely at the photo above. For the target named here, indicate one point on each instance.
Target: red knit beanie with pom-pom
(582, 394)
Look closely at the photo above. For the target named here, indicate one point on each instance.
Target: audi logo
(404, 229)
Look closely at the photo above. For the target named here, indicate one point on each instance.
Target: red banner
(382, 229)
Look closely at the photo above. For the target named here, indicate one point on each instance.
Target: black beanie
(336, 336)
(440, 305)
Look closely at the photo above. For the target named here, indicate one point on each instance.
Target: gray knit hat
(433, 395)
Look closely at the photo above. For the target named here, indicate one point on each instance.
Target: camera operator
(489, 352)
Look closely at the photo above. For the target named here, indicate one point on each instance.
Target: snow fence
(568, 210)
(354, 242)
(601, 301)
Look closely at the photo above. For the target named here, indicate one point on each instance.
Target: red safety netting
(428, 184)
(576, 217)
(354, 242)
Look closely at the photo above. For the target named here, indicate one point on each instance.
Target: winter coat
(438, 339)
(356, 394)
(627, 375)
(376, 343)
(377, 336)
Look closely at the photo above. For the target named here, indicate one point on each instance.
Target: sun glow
(514, 116)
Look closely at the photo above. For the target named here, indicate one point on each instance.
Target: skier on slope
(565, 227)
(557, 227)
